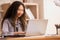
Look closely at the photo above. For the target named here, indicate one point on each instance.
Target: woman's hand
(19, 32)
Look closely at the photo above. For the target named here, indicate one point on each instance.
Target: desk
(36, 38)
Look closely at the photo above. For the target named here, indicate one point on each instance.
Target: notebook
(36, 27)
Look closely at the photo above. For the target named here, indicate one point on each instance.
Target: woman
(13, 22)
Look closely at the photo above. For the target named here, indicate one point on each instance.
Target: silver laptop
(36, 27)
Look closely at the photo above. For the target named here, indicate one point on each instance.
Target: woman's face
(20, 11)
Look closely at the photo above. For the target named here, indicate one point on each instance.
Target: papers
(29, 13)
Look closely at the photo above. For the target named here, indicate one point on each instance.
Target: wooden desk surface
(36, 38)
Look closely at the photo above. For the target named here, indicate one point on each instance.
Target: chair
(4, 8)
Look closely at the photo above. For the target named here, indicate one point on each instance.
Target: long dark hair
(12, 12)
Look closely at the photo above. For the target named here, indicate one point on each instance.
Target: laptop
(36, 27)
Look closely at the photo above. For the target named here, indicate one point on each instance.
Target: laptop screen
(36, 27)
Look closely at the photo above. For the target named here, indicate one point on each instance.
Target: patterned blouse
(8, 28)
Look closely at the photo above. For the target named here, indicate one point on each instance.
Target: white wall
(52, 13)
(16, 0)
(4, 1)
(8, 1)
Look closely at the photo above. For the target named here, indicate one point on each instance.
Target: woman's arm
(19, 33)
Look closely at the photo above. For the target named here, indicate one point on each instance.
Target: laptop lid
(36, 27)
